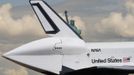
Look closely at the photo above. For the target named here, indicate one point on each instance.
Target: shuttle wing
(51, 22)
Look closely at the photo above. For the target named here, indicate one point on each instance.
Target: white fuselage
(50, 46)
(74, 50)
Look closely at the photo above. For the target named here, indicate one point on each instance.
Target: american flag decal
(126, 59)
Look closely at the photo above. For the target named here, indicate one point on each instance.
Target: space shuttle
(65, 52)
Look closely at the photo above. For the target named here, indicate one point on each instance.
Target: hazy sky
(99, 20)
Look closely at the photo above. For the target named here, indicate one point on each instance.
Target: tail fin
(51, 22)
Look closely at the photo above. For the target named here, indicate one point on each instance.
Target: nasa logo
(96, 50)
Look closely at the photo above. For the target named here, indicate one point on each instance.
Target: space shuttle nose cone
(4, 55)
(9, 54)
